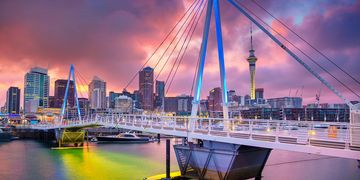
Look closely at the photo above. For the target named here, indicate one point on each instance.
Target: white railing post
(174, 123)
(251, 127)
(112, 118)
(277, 131)
(210, 124)
(347, 136)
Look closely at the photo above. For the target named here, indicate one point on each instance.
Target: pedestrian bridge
(322, 138)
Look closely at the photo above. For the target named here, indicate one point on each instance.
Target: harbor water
(28, 159)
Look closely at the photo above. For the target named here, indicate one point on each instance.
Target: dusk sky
(113, 38)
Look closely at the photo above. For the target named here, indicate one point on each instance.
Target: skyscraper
(36, 90)
(146, 88)
(97, 93)
(252, 60)
(13, 100)
(60, 88)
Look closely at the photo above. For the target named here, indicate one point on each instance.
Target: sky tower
(252, 60)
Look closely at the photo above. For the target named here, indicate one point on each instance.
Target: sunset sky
(113, 38)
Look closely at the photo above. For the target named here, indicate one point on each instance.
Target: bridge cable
(81, 84)
(324, 69)
(193, 20)
(176, 45)
(177, 33)
(158, 47)
(322, 54)
(188, 42)
(81, 78)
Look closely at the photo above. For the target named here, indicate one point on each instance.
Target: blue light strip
(75, 90)
(66, 95)
(220, 50)
(200, 72)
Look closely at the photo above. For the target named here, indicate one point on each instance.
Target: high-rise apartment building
(146, 88)
(97, 93)
(13, 100)
(60, 88)
(36, 90)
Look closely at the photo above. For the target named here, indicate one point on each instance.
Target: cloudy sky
(112, 39)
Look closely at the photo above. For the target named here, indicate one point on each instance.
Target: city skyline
(139, 40)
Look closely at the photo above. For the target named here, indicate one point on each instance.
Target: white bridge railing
(299, 132)
(334, 135)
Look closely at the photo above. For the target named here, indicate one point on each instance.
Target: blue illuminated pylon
(71, 75)
(200, 70)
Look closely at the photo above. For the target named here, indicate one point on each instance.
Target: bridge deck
(322, 138)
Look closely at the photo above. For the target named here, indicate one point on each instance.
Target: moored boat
(123, 137)
(5, 136)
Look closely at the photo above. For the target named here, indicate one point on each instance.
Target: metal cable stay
(300, 50)
(189, 31)
(186, 30)
(188, 39)
(187, 14)
(306, 42)
(239, 6)
(177, 42)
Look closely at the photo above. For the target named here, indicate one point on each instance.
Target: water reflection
(33, 160)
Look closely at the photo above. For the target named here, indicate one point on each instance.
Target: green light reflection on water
(95, 163)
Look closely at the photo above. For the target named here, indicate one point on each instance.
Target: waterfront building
(112, 96)
(3, 109)
(285, 102)
(36, 90)
(84, 103)
(260, 113)
(252, 61)
(233, 99)
(259, 96)
(231, 95)
(170, 104)
(204, 106)
(97, 93)
(13, 100)
(160, 95)
(52, 101)
(292, 113)
(247, 100)
(297, 114)
(180, 105)
(184, 103)
(123, 104)
(215, 100)
(59, 93)
(146, 88)
(327, 114)
(136, 99)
